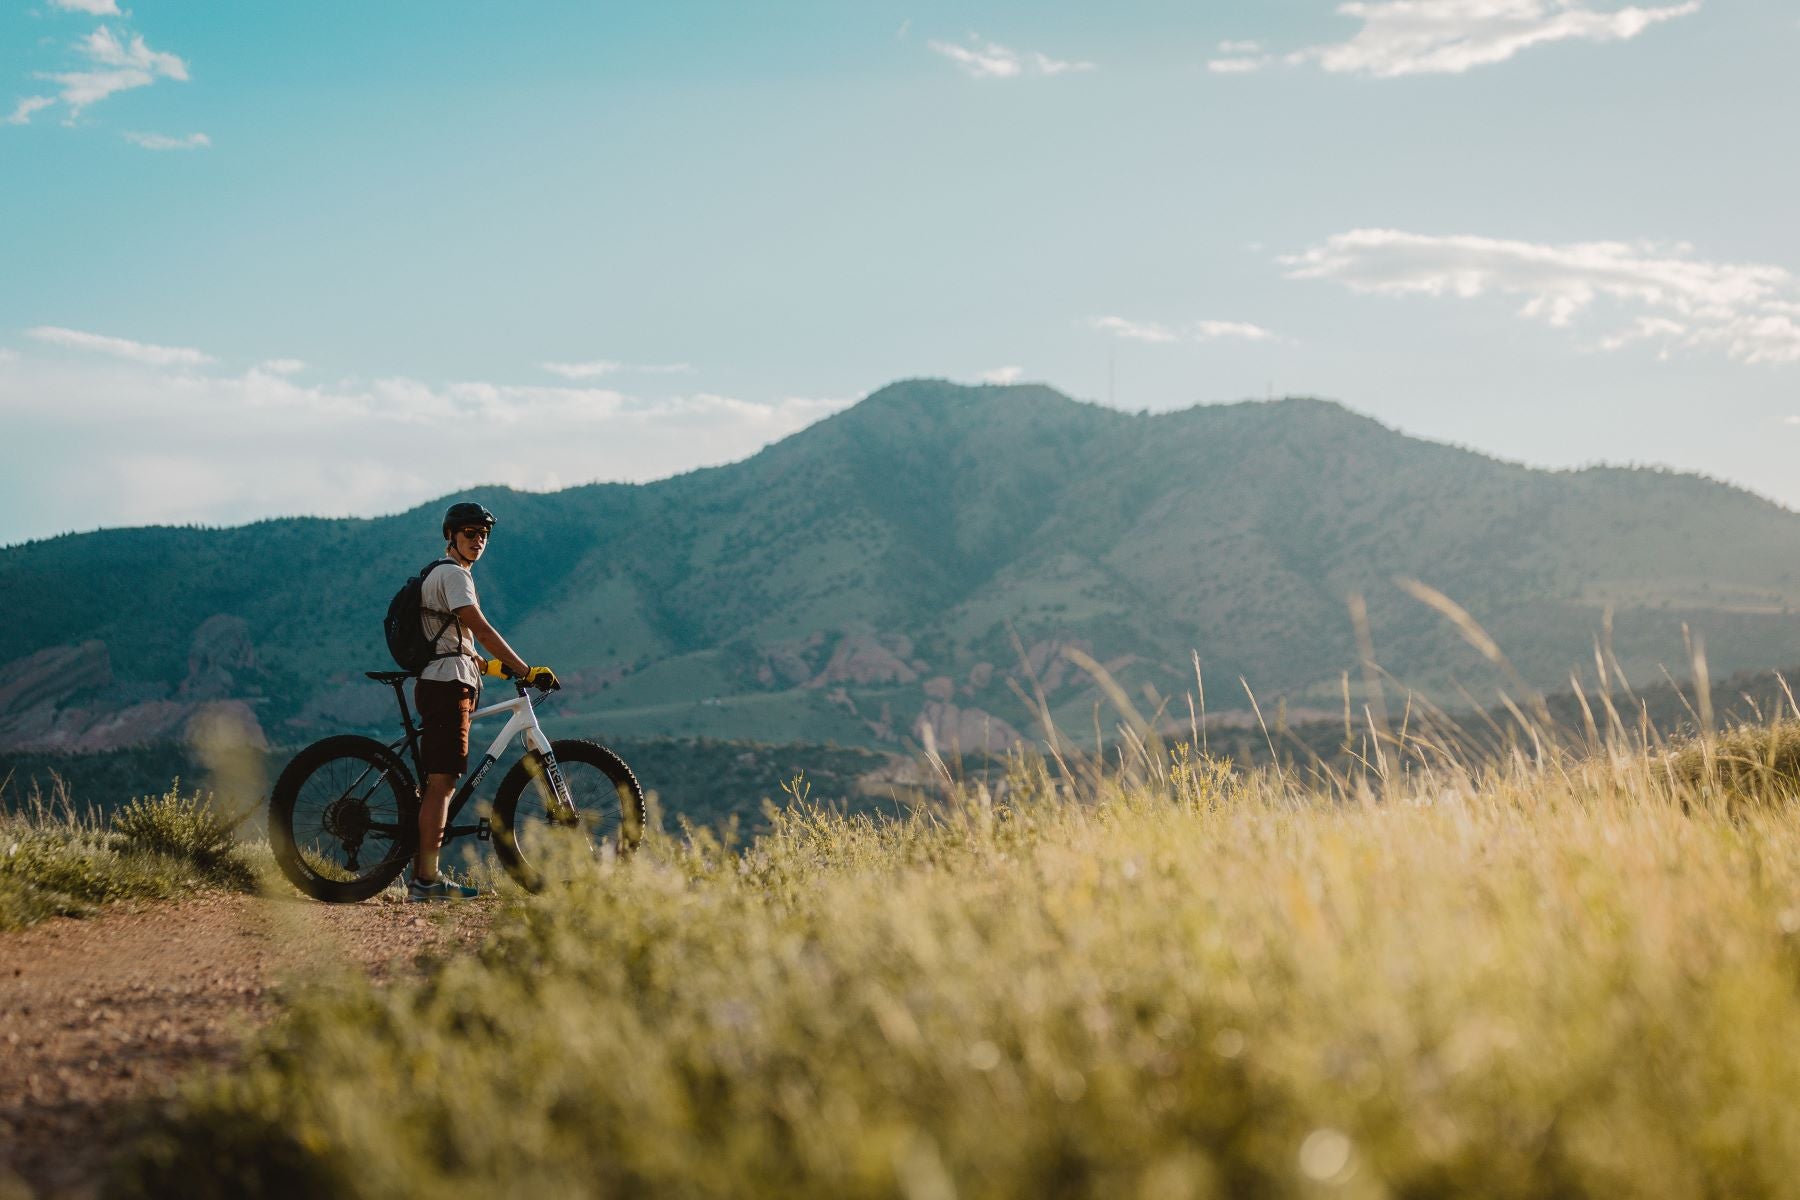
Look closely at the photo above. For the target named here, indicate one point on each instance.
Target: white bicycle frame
(523, 720)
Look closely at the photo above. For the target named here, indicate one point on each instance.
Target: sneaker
(438, 889)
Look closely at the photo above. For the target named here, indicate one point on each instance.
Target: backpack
(405, 627)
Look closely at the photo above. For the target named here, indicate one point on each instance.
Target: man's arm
(489, 637)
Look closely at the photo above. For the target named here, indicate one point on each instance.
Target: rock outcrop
(865, 658)
(68, 699)
(51, 678)
(952, 730)
(222, 652)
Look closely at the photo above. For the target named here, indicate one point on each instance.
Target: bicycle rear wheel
(531, 832)
(343, 819)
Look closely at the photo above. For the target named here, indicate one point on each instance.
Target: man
(447, 688)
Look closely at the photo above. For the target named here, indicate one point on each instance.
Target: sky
(337, 259)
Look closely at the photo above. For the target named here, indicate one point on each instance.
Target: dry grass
(1574, 976)
(1750, 764)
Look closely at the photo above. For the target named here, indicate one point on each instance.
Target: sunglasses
(477, 534)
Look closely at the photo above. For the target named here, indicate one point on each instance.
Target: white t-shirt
(448, 588)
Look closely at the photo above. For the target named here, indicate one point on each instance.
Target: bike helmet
(465, 513)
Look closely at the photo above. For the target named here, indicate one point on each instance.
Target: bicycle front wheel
(535, 833)
(343, 819)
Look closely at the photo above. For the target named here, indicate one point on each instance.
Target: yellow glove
(494, 669)
(543, 679)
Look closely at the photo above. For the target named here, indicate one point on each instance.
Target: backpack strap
(449, 617)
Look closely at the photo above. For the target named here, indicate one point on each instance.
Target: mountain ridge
(885, 570)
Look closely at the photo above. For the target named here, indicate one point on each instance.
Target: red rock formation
(964, 730)
(863, 658)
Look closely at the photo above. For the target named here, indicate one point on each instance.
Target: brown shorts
(445, 707)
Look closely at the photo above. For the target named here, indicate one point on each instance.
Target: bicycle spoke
(346, 819)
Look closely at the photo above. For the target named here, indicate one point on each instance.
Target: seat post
(397, 681)
(405, 713)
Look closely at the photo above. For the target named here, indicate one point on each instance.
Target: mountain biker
(448, 686)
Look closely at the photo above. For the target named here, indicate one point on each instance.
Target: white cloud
(605, 366)
(94, 8)
(1750, 312)
(990, 60)
(1229, 47)
(1208, 331)
(21, 115)
(281, 366)
(1449, 37)
(776, 419)
(162, 141)
(80, 89)
(140, 352)
(124, 443)
(7, 356)
(1002, 375)
(582, 370)
(1237, 66)
(1043, 64)
(1197, 331)
(127, 65)
(983, 62)
(1136, 331)
(1645, 329)
(105, 48)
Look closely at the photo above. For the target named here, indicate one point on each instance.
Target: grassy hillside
(1567, 979)
(891, 563)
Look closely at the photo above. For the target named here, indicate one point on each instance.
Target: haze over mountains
(916, 561)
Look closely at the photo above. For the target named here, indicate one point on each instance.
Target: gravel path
(99, 1013)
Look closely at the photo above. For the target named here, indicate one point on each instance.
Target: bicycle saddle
(388, 676)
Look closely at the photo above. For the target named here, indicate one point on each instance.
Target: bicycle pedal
(484, 832)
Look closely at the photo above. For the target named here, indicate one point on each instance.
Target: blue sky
(262, 260)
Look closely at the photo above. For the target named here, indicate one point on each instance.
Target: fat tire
(624, 826)
(392, 781)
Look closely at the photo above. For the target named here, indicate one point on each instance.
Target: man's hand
(493, 668)
(543, 679)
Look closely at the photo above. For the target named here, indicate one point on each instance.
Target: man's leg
(434, 806)
(444, 712)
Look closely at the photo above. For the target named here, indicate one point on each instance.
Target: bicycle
(344, 813)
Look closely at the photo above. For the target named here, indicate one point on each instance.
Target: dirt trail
(96, 1014)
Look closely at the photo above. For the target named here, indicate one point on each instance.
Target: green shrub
(187, 828)
(56, 860)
